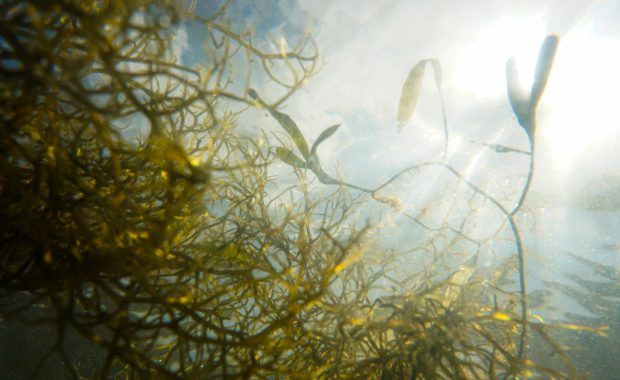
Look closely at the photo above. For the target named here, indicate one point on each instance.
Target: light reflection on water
(563, 231)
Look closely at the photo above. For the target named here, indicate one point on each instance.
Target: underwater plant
(142, 228)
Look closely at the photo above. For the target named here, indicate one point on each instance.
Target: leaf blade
(409, 94)
(504, 149)
(543, 67)
(518, 97)
(290, 158)
(327, 133)
(412, 88)
(285, 122)
(291, 128)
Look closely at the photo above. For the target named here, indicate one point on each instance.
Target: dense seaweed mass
(144, 236)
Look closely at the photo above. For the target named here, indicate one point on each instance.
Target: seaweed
(143, 228)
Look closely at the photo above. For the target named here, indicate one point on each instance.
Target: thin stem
(445, 127)
(519, 244)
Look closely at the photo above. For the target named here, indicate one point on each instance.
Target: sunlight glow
(582, 97)
(482, 64)
(577, 111)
